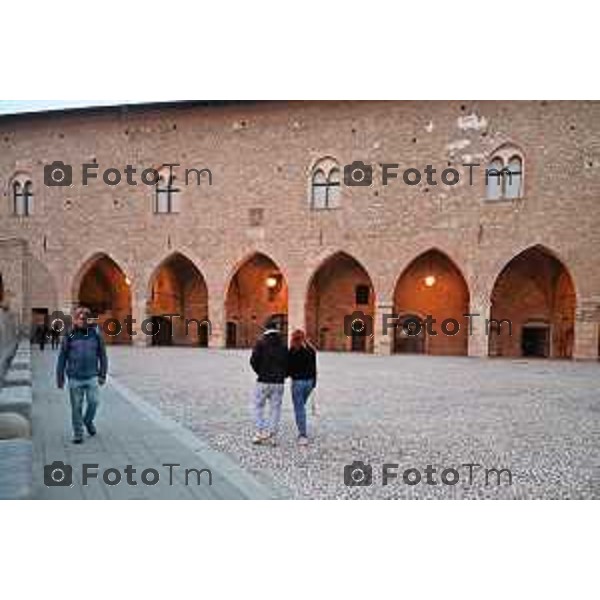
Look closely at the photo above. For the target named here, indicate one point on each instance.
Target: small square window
(362, 293)
(256, 216)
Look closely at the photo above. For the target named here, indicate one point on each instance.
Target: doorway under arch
(432, 286)
(536, 294)
(178, 304)
(104, 288)
(341, 293)
(257, 295)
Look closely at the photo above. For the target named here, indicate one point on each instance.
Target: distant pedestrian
(54, 336)
(302, 368)
(269, 362)
(83, 357)
(42, 336)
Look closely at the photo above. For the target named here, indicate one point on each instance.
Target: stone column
(66, 305)
(216, 316)
(587, 324)
(296, 313)
(139, 314)
(384, 334)
(477, 334)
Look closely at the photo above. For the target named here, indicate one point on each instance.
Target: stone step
(16, 399)
(17, 378)
(20, 364)
(16, 471)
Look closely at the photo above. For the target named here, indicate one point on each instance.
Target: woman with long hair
(302, 368)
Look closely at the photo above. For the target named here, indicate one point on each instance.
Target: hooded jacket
(269, 358)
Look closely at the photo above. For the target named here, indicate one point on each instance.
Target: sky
(17, 106)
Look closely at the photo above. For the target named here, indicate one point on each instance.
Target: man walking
(269, 362)
(83, 357)
(54, 336)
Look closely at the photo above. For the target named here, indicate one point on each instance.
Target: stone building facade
(273, 231)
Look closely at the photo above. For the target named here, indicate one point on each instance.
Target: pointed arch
(432, 285)
(178, 287)
(340, 292)
(256, 294)
(535, 294)
(103, 286)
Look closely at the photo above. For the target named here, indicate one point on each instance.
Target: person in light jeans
(302, 368)
(269, 362)
(83, 357)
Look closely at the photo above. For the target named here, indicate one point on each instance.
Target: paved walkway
(130, 432)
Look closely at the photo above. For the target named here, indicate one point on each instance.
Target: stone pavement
(538, 418)
(129, 433)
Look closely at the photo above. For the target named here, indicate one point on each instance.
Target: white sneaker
(259, 438)
(302, 441)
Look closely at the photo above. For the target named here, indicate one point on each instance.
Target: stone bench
(14, 426)
(20, 364)
(17, 378)
(16, 399)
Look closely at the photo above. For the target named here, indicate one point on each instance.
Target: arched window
(493, 179)
(22, 198)
(325, 185)
(166, 195)
(504, 174)
(28, 198)
(512, 180)
(319, 190)
(17, 196)
(333, 189)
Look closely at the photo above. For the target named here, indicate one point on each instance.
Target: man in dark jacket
(269, 362)
(83, 357)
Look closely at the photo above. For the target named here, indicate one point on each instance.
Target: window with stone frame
(325, 185)
(22, 197)
(166, 197)
(504, 174)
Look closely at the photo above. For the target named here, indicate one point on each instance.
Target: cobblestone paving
(539, 419)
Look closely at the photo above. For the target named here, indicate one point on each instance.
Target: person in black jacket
(302, 368)
(54, 336)
(269, 361)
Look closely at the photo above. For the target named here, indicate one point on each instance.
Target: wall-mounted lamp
(273, 283)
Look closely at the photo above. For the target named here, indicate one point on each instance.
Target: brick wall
(261, 157)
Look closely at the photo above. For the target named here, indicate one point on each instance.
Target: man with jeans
(269, 361)
(83, 357)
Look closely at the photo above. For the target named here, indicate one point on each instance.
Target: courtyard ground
(537, 418)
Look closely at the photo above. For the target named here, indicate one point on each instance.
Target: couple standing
(273, 362)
